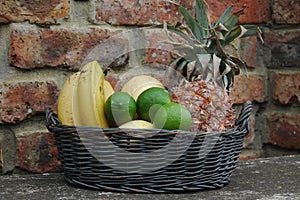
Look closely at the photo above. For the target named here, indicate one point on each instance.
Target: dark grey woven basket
(206, 162)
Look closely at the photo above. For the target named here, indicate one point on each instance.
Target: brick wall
(43, 42)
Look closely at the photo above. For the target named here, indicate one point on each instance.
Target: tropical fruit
(209, 105)
(81, 99)
(207, 66)
(137, 124)
(172, 116)
(120, 108)
(150, 101)
(108, 89)
(66, 100)
(136, 85)
(90, 91)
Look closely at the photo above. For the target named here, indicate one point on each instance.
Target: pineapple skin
(208, 103)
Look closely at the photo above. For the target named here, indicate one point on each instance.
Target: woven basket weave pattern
(194, 170)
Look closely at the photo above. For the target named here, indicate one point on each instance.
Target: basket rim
(53, 123)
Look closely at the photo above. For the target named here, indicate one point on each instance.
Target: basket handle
(242, 122)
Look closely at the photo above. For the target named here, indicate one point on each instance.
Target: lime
(120, 107)
(172, 116)
(150, 101)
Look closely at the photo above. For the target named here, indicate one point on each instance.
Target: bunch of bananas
(82, 98)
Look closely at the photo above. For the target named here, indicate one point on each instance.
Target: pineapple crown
(204, 53)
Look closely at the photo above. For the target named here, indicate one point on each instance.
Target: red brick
(287, 87)
(256, 11)
(35, 11)
(128, 12)
(281, 48)
(284, 130)
(158, 48)
(286, 11)
(37, 48)
(252, 88)
(20, 100)
(248, 50)
(37, 152)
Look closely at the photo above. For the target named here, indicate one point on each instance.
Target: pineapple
(208, 104)
(207, 68)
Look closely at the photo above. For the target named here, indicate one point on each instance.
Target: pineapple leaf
(228, 79)
(190, 70)
(175, 62)
(231, 22)
(221, 27)
(182, 65)
(235, 33)
(225, 16)
(224, 68)
(220, 50)
(204, 55)
(227, 73)
(180, 33)
(216, 66)
(202, 16)
(204, 60)
(192, 24)
(240, 64)
(251, 30)
(186, 52)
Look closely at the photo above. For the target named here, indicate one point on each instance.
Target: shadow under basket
(148, 160)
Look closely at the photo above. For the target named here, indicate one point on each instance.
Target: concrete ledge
(271, 178)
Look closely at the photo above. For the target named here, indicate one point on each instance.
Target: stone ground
(276, 178)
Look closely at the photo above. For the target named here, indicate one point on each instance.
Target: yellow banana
(91, 96)
(108, 89)
(66, 101)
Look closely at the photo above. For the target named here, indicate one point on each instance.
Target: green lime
(120, 107)
(150, 100)
(172, 116)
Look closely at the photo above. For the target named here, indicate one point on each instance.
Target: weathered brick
(248, 50)
(20, 100)
(7, 149)
(287, 87)
(35, 11)
(281, 48)
(256, 11)
(37, 152)
(129, 12)
(286, 11)
(159, 49)
(284, 130)
(37, 48)
(252, 88)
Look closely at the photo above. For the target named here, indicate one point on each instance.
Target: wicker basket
(97, 158)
